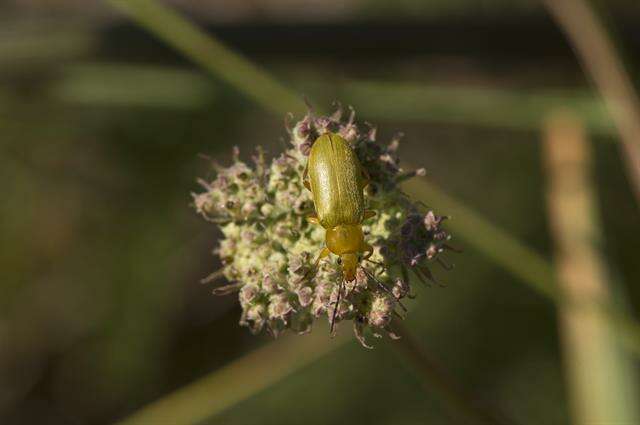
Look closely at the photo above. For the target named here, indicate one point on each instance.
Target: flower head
(268, 247)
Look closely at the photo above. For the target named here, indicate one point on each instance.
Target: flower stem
(599, 376)
(597, 54)
(211, 54)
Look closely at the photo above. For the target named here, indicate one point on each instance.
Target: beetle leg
(368, 214)
(313, 219)
(335, 310)
(325, 252)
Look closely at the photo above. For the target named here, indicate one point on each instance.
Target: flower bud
(381, 310)
(431, 221)
(279, 306)
(248, 293)
(400, 288)
(203, 203)
(254, 317)
(302, 131)
(349, 133)
(305, 296)
(358, 330)
(248, 208)
(266, 209)
(322, 297)
(268, 284)
(323, 125)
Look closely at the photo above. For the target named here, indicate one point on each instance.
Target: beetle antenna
(385, 267)
(384, 288)
(335, 308)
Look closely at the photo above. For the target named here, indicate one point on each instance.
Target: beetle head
(349, 265)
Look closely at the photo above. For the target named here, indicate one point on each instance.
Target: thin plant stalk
(237, 381)
(211, 54)
(471, 105)
(599, 377)
(517, 258)
(597, 54)
(210, 395)
(109, 84)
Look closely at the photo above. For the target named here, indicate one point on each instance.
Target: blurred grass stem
(599, 58)
(23, 43)
(521, 261)
(271, 363)
(237, 381)
(211, 54)
(471, 105)
(595, 366)
(114, 84)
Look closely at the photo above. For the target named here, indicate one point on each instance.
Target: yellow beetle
(336, 181)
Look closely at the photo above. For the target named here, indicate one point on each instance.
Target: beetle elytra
(336, 181)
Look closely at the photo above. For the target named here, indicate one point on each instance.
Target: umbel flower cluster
(268, 247)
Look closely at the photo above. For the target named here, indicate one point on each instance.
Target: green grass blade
(481, 106)
(507, 251)
(211, 54)
(599, 375)
(237, 381)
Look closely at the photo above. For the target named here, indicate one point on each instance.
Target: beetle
(336, 180)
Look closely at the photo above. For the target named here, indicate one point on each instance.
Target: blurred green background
(101, 127)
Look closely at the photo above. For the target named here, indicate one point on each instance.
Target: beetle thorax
(345, 238)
